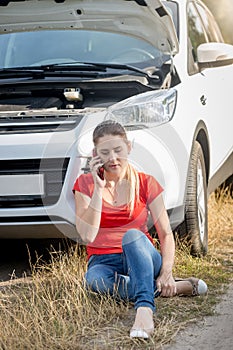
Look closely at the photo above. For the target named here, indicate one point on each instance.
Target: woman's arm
(88, 210)
(165, 282)
(88, 214)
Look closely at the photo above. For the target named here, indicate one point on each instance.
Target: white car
(159, 67)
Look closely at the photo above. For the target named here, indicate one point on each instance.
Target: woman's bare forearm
(165, 234)
(168, 252)
(88, 223)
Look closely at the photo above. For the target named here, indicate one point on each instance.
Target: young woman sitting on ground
(111, 217)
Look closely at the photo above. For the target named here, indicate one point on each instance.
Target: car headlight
(145, 110)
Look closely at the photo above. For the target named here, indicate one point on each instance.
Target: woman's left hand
(166, 285)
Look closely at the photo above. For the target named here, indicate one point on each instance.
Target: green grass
(53, 311)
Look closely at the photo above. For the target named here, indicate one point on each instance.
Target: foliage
(222, 10)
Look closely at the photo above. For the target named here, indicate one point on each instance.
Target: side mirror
(214, 55)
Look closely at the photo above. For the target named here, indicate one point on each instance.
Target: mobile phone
(100, 171)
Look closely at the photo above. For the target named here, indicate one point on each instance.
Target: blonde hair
(111, 127)
(132, 176)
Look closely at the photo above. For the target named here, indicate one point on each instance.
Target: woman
(111, 217)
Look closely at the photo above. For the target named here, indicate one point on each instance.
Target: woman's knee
(99, 279)
(131, 236)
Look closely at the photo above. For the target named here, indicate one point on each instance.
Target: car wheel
(195, 227)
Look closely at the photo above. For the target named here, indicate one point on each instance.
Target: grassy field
(52, 310)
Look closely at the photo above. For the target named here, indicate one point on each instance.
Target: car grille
(53, 170)
(38, 122)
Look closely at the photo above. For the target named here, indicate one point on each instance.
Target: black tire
(195, 226)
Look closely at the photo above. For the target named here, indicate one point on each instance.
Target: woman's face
(113, 150)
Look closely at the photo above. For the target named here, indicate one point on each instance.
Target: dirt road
(211, 333)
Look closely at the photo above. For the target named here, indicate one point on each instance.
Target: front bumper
(154, 152)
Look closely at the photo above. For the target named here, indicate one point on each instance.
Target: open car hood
(145, 19)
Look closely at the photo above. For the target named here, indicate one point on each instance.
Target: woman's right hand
(95, 163)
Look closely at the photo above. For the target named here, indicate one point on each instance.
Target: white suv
(159, 67)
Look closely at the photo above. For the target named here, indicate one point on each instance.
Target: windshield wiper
(73, 69)
(19, 71)
(102, 67)
(40, 72)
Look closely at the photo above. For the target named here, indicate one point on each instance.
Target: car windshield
(23, 49)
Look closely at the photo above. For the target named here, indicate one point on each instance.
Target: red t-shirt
(115, 220)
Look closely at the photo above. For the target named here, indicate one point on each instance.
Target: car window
(196, 31)
(202, 28)
(211, 27)
(57, 46)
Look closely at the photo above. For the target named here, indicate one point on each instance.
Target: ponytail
(132, 177)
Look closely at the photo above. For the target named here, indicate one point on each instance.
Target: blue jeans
(130, 275)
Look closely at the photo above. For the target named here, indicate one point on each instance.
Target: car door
(216, 84)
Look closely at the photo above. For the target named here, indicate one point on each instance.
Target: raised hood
(145, 19)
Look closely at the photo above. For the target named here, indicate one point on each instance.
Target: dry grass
(54, 311)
